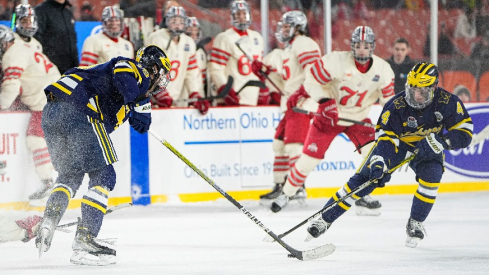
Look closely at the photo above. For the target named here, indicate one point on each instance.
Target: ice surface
(216, 238)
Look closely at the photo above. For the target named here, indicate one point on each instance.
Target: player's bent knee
(306, 164)
(105, 177)
(278, 147)
(35, 143)
(293, 149)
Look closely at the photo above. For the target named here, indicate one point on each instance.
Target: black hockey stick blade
(331, 205)
(109, 210)
(302, 111)
(311, 254)
(252, 83)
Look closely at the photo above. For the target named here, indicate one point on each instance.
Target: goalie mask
(112, 21)
(362, 36)
(175, 20)
(25, 20)
(156, 62)
(6, 36)
(240, 15)
(192, 28)
(290, 22)
(421, 84)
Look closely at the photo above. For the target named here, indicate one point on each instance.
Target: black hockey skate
(43, 191)
(277, 189)
(367, 206)
(317, 228)
(88, 250)
(415, 232)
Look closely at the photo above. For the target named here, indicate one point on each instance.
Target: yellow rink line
(254, 195)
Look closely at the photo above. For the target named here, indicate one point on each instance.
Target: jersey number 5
(351, 93)
(47, 64)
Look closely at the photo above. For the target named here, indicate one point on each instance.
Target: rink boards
(232, 146)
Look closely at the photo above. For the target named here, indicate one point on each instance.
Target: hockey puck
(290, 256)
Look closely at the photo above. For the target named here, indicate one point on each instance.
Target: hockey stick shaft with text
(301, 255)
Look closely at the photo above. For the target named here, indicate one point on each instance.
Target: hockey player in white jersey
(193, 30)
(345, 84)
(228, 60)
(299, 54)
(105, 45)
(181, 50)
(26, 72)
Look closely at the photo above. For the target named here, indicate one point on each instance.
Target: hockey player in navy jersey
(84, 106)
(424, 120)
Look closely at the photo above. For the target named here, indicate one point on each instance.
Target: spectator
(445, 44)
(401, 63)
(86, 12)
(57, 33)
(7, 12)
(480, 50)
(463, 93)
(135, 8)
(165, 9)
(466, 24)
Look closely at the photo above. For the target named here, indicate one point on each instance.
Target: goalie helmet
(173, 12)
(190, 23)
(362, 34)
(156, 62)
(421, 84)
(25, 20)
(237, 6)
(109, 14)
(296, 20)
(6, 36)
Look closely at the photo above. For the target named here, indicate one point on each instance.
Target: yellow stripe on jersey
(102, 137)
(94, 205)
(387, 138)
(127, 70)
(412, 139)
(63, 89)
(92, 107)
(98, 108)
(76, 76)
(136, 72)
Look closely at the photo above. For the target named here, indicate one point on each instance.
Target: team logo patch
(412, 122)
(312, 147)
(376, 78)
(256, 41)
(439, 116)
(187, 47)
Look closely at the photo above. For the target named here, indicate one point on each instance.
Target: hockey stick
(237, 43)
(311, 254)
(225, 91)
(110, 210)
(480, 137)
(353, 192)
(252, 83)
(302, 111)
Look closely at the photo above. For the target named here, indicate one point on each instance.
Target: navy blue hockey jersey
(103, 91)
(400, 123)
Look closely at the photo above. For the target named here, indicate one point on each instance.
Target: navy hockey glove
(140, 116)
(431, 147)
(378, 171)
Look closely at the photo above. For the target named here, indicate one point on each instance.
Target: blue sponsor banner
(139, 168)
(472, 161)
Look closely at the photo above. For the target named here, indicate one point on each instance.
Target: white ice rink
(216, 238)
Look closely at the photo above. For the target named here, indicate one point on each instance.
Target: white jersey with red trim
(274, 59)
(298, 56)
(227, 60)
(201, 57)
(336, 76)
(27, 71)
(99, 48)
(184, 68)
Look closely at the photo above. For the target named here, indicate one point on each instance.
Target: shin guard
(298, 174)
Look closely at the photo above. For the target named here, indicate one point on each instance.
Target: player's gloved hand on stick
(202, 105)
(140, 116)
(231, 99)
(328, 114)
(264, 96)
(299, 95)
(431, 147)
(260, 69)
(275, 98)
(163, 98)
(378, 171)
